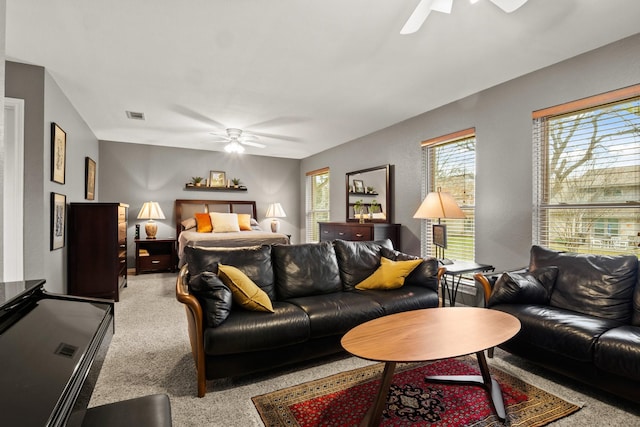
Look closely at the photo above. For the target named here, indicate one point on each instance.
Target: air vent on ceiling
(135, 116)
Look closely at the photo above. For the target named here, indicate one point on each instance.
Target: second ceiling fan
(425, 7)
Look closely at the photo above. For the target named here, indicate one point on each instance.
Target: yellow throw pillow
(245, 291)
(244, 221)
(203, 223)
(390, 274)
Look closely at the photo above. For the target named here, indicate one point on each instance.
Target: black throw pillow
(533, 287)
(214, 296)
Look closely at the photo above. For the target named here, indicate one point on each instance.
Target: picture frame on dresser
(58, 153)
(58, 220)
(89, 178)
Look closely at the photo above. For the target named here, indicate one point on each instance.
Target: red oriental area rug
(343, 399)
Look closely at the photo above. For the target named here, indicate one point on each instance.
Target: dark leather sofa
(580, 316)
(312, 290)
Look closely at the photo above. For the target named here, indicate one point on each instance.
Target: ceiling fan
(236, 139)
(425, 7)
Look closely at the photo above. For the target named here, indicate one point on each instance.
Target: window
(317, 202)
(449, 164)
(587, 174)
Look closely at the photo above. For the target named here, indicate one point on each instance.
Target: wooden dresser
(97, 258)
(357, 231)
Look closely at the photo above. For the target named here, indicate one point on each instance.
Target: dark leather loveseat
(312, 291)
(580, 316)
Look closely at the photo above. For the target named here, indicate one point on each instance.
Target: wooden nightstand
(154, 255)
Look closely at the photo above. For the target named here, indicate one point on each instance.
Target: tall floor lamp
(439, 205)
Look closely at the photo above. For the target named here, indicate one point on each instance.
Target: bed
(185, 212)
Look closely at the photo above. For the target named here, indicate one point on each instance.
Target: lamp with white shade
(275, 211)
(151, 211)
(439, 205)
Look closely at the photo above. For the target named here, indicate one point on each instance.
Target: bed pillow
(203, 223)
(224, 222)
(390, 274)
(245, 292)
(189, 223)
(244, 222)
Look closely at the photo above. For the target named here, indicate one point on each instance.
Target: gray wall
(502, 118)
(136, 173)
(45, 103)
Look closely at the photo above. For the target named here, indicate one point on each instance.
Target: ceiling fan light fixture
(422, 11)
(234, 147)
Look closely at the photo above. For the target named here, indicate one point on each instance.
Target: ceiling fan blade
(422, 11)
(251, 143)
(509, 5)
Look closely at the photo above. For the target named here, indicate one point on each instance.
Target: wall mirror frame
(373, 188)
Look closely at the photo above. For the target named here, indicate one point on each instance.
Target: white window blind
(449, 163)
(317, 202)
(587, 175)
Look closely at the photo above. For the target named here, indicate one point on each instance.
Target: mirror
(369, 195)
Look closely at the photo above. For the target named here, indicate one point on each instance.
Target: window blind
(448, 164)
(317, 202)
(587, 176)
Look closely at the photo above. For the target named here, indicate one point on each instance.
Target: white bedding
(227, 240)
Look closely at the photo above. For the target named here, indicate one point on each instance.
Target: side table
(455, 271)
(153, 255)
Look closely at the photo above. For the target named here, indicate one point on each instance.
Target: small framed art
(217, 179)
(358, 186)
(58, 220)
(89, 178)
(58, 153)
(440, 235)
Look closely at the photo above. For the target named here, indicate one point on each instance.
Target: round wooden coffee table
(432, 334)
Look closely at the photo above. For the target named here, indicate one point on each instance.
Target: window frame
(311, 223)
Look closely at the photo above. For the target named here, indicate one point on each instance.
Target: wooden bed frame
(185, 208)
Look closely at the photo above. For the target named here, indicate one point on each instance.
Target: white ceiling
(304, 75)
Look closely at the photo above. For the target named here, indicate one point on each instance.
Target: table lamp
(275, 211)
(151, 211)
(439, 205)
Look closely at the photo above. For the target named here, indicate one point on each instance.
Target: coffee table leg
(372, 417)
(485, 381)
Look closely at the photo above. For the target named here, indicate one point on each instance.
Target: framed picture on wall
(58, 220)
(58, 153)
(217, 179)
(89, 178)
(358, 186)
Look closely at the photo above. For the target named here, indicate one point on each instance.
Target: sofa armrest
(195, 324)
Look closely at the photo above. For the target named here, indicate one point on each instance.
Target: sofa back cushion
(306, 269)
(358, 260)
(255, 262)
(425, 274)
(597, 285)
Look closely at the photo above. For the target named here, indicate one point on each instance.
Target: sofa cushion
(597, 285)
(390, 274)
(214, 296)
(358, 260)
(408, 297)
(556, 330)
(335, 314)
(245, 293)
(254, 261)
(306, 269)
(249, 331)
(425, 274)
(524, 288)
(618, 352)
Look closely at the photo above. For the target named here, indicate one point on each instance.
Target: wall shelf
(202, 188)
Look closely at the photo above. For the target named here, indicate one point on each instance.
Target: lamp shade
(275, 211)
(151, 210)
(439, 204)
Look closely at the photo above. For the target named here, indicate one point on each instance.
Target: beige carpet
(150, 353)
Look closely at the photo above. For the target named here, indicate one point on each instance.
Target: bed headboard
(185, 209)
